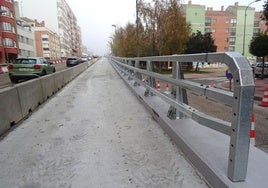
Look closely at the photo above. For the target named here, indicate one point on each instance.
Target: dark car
(72, 61)
(28, 68)
(258, 70)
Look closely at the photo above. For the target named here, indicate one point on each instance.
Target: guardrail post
(241, 123)
(178, 92)
(150, 81)
(129, 62)
(138, 75)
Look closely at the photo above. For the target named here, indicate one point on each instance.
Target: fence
(241, 99)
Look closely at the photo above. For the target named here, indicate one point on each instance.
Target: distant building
(26, 39)
(195, 15)
(46, 42)
(226, 26)
(8, 32)
(61, 21)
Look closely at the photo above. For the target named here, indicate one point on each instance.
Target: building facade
(219, 24)
(232, 28)
(8, 32)
(68, 30)
(26, 39)
(195, 14)
(60, 23)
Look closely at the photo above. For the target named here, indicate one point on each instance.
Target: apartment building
(195, 15)
(60, 22)
(219, 24)
(25, 39)
(68, 30)
(229, 28)
(8, 32)
(46, 42)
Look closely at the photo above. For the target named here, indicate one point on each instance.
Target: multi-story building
(195, 14)
(232, 28)
(219, 24)
(46, 42)
(241, 38)
(8, 32)
(68, 30)
(26, 39)
(259, 24)
(61, 21)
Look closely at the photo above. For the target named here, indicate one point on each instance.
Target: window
(207, 30)
(8, 42)
(213, 21)
(232, 48)
(233, 22)
(232, 41)
(233, 31)
(5, 11)
(256, 23)
(7, 27)
(208, 22)
(45, 37)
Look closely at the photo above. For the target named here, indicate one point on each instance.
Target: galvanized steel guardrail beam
(241, 99)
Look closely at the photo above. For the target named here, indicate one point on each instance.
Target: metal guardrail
(241, 99)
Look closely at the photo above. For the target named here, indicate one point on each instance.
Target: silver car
(258, 70)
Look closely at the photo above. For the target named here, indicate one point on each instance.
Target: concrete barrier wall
(30, 95)
(17, 102)
(10, 109)
(48, 86)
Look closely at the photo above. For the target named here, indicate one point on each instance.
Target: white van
(258, 69)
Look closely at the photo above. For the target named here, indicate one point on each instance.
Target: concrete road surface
(93, 133)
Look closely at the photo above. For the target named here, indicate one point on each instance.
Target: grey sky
(95, 17)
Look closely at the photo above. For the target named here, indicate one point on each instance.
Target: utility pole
(137, 30)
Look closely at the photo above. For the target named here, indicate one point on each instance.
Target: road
(5, 81)
(93, 133)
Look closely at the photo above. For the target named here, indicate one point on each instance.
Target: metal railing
(241, 99)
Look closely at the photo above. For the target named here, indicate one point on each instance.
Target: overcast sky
(96, 17)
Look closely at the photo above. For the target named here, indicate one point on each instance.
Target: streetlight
(244, 36)
(113, 25)
(137, 29)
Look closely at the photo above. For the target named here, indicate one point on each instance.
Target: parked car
(28, 68)
(258, 69)
(72, 61)
(84, 58)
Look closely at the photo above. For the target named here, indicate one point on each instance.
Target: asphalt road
(5, 81)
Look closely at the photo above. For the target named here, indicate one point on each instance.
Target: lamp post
(113, 25)
(137, 29)
(245, 22)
